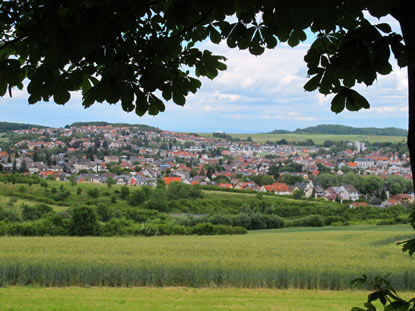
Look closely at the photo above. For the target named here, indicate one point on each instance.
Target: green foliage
(35, 212)
(124, 192)
(398, 184)
(177, 190)
(136, 197)
(329, 180)
(84, 221)
(348, 49)
(8, 126)
(158, 200)
(298, 194)
(337, 129)
(93, 193)
(291, 179)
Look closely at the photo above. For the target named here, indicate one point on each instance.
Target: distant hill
(142, 127)
(280, 132)
(8, 126)
(335, 129)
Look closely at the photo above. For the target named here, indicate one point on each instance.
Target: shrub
(93, 193)
(84, 221)
(35, 212)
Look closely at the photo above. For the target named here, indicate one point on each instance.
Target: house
(364, 163)
(403, 198)
(246, 185)
(352, 193)
(277, 188)
(168, 180)
(347, 192)
(225, 185)
(111, 159)
(122, 179)
(358, 204)
(307, 188)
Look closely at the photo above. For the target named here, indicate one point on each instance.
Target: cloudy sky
(255, 95)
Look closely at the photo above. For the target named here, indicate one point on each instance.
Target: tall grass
(309, 260)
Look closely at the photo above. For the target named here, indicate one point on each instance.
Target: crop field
(317, 138)
(183, 299)
(312, 259)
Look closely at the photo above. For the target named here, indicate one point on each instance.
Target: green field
(183, 299)
(294, 258)
(317, 138)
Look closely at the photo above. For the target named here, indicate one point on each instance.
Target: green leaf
(214, 35)
(33, 99)
(256, 50)
(178, 98)
(357, 309)
(167, 93)
(359, 99)
(293, 40)
(370, 306)
(313, 83)
(61, 95)
(3, 87)
(338, 103)
(399, 305)
(141, 104)
(384, 27)
(127, 106)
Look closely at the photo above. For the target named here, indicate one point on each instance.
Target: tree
(72, 180)
(93, 193)
(328, 180)
(274, 170)
(14, 167)
(124, 192)
(177, 190)
(44, 184)
(353, 179)
(23, 167)
(110, 181)
(298, 194)
(84, 221)
(136, 197)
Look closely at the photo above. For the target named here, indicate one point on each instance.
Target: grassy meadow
(177, 298)
(317, 138)
(299, 259)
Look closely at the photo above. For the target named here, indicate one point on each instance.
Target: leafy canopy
(143, 53)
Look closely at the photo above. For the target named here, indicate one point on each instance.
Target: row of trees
(368, 184)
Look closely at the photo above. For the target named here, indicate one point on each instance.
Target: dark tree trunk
(405, 17)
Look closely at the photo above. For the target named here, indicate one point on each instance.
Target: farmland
(287, 259)
(316, 138)
(183, 299)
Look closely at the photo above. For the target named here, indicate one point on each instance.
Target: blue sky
(255, 95)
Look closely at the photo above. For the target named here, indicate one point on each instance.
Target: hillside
(336, 129)
(8, 126)
(143, 127)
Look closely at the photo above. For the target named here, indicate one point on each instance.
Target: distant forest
(142, 127)
(335, 129)
(7, 126)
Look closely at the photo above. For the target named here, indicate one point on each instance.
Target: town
(356, 172)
